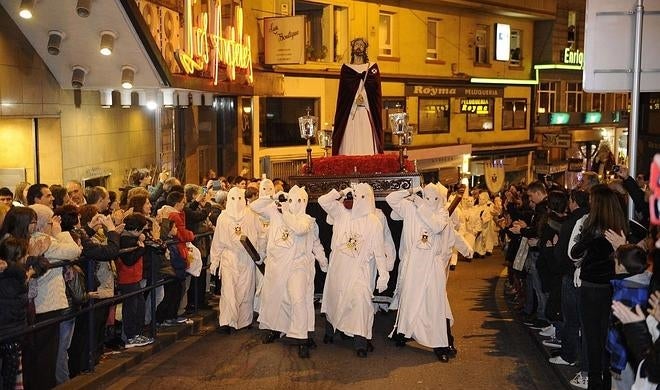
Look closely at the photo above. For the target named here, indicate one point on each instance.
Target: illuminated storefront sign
(438, 90)
(592, 117)
(206, 47)
(573, 57)
(475, 106)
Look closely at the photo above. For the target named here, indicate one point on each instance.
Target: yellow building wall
(16, 146)
(408, 61)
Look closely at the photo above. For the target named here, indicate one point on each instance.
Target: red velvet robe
(348, 86)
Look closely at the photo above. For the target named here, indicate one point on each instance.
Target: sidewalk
(115, 364)
(564, 373)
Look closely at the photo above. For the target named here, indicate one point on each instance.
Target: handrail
(93, 304)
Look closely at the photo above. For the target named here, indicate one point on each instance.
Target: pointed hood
(364, 201)
(484, 198)
(432, 197)
(236, 205)
(266, 188)
(297, 200)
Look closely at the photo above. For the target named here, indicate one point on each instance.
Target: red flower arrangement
(357, 165)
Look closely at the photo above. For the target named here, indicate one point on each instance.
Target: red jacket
(182, 234)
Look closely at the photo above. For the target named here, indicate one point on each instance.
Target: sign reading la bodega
(439, 90)
(206, 48)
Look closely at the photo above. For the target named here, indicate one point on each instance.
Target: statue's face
(359, 47)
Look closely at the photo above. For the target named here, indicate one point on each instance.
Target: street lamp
(325, 140)
(400, 128)
(308, 125)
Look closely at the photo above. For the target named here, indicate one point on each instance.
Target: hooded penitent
(236, 206)
(363, 200)
(266, 188)
(297, 200)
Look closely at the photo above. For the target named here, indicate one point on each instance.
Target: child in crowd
(129, 276)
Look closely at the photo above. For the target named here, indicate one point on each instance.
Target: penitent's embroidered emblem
(238, 230)
(424, 241)
(352, 244)
(283, 238)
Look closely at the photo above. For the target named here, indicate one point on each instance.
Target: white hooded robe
(427, 240)
(287, 292)
(235, 264)
(357, 251)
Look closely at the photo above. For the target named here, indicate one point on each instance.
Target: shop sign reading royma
(475, 106)
(206, 47)
(443, 91)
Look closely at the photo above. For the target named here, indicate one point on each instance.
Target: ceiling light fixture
(127, 76)
(107, 42)
(55, 38)
(78, 76)
(84, 8)
(25, 10)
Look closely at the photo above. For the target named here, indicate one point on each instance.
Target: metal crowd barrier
(93, 304)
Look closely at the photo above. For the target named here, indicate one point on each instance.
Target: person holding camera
(357, 252)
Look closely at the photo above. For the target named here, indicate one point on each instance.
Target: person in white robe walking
(234, 265)
(357, 252)
(427, 240)
(287, 294)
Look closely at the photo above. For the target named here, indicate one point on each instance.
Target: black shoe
(225, 329)
(488, 254)
(328, 339)
(477, 256)
(400, 340)
(303, 351)
(452, 267)
(270, 336)
(370, 347)
(452, 351)
(344, 336)
(361, 353)
(311, 343)
(442, 354)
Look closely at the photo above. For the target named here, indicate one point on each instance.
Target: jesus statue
(358, 127)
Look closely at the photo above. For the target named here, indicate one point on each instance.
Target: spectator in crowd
(6, 196)
(98, 196)
(197, 211)
(60, 196)
(20, 194)
(129, 276)
(596, 268)
(39, 194)
(75, 191)
(172, 184)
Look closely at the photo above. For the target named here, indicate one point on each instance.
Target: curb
(112, 367)
(563, 373)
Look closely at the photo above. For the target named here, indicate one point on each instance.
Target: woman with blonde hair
(20, 193)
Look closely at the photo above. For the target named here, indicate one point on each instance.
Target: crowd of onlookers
(51, 237)
(585, 276)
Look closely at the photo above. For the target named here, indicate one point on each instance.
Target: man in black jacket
(578, 205)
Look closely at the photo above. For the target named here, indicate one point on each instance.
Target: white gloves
(213, 267)
(345, 191)
(324, 267)
(381, 283)
(577, 282)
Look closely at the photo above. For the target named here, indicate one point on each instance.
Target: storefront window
(391, 105)
(547, 97)
(516, 48)
(278, 120)
(479, 112)
(514, 114)
(574, 97)
(434, 115)
(597, 102)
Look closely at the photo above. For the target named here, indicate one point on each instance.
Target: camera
(616, 168)
(281, 198)
(216, 185)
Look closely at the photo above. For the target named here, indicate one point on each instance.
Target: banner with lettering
(284, 40)
(494, 173)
